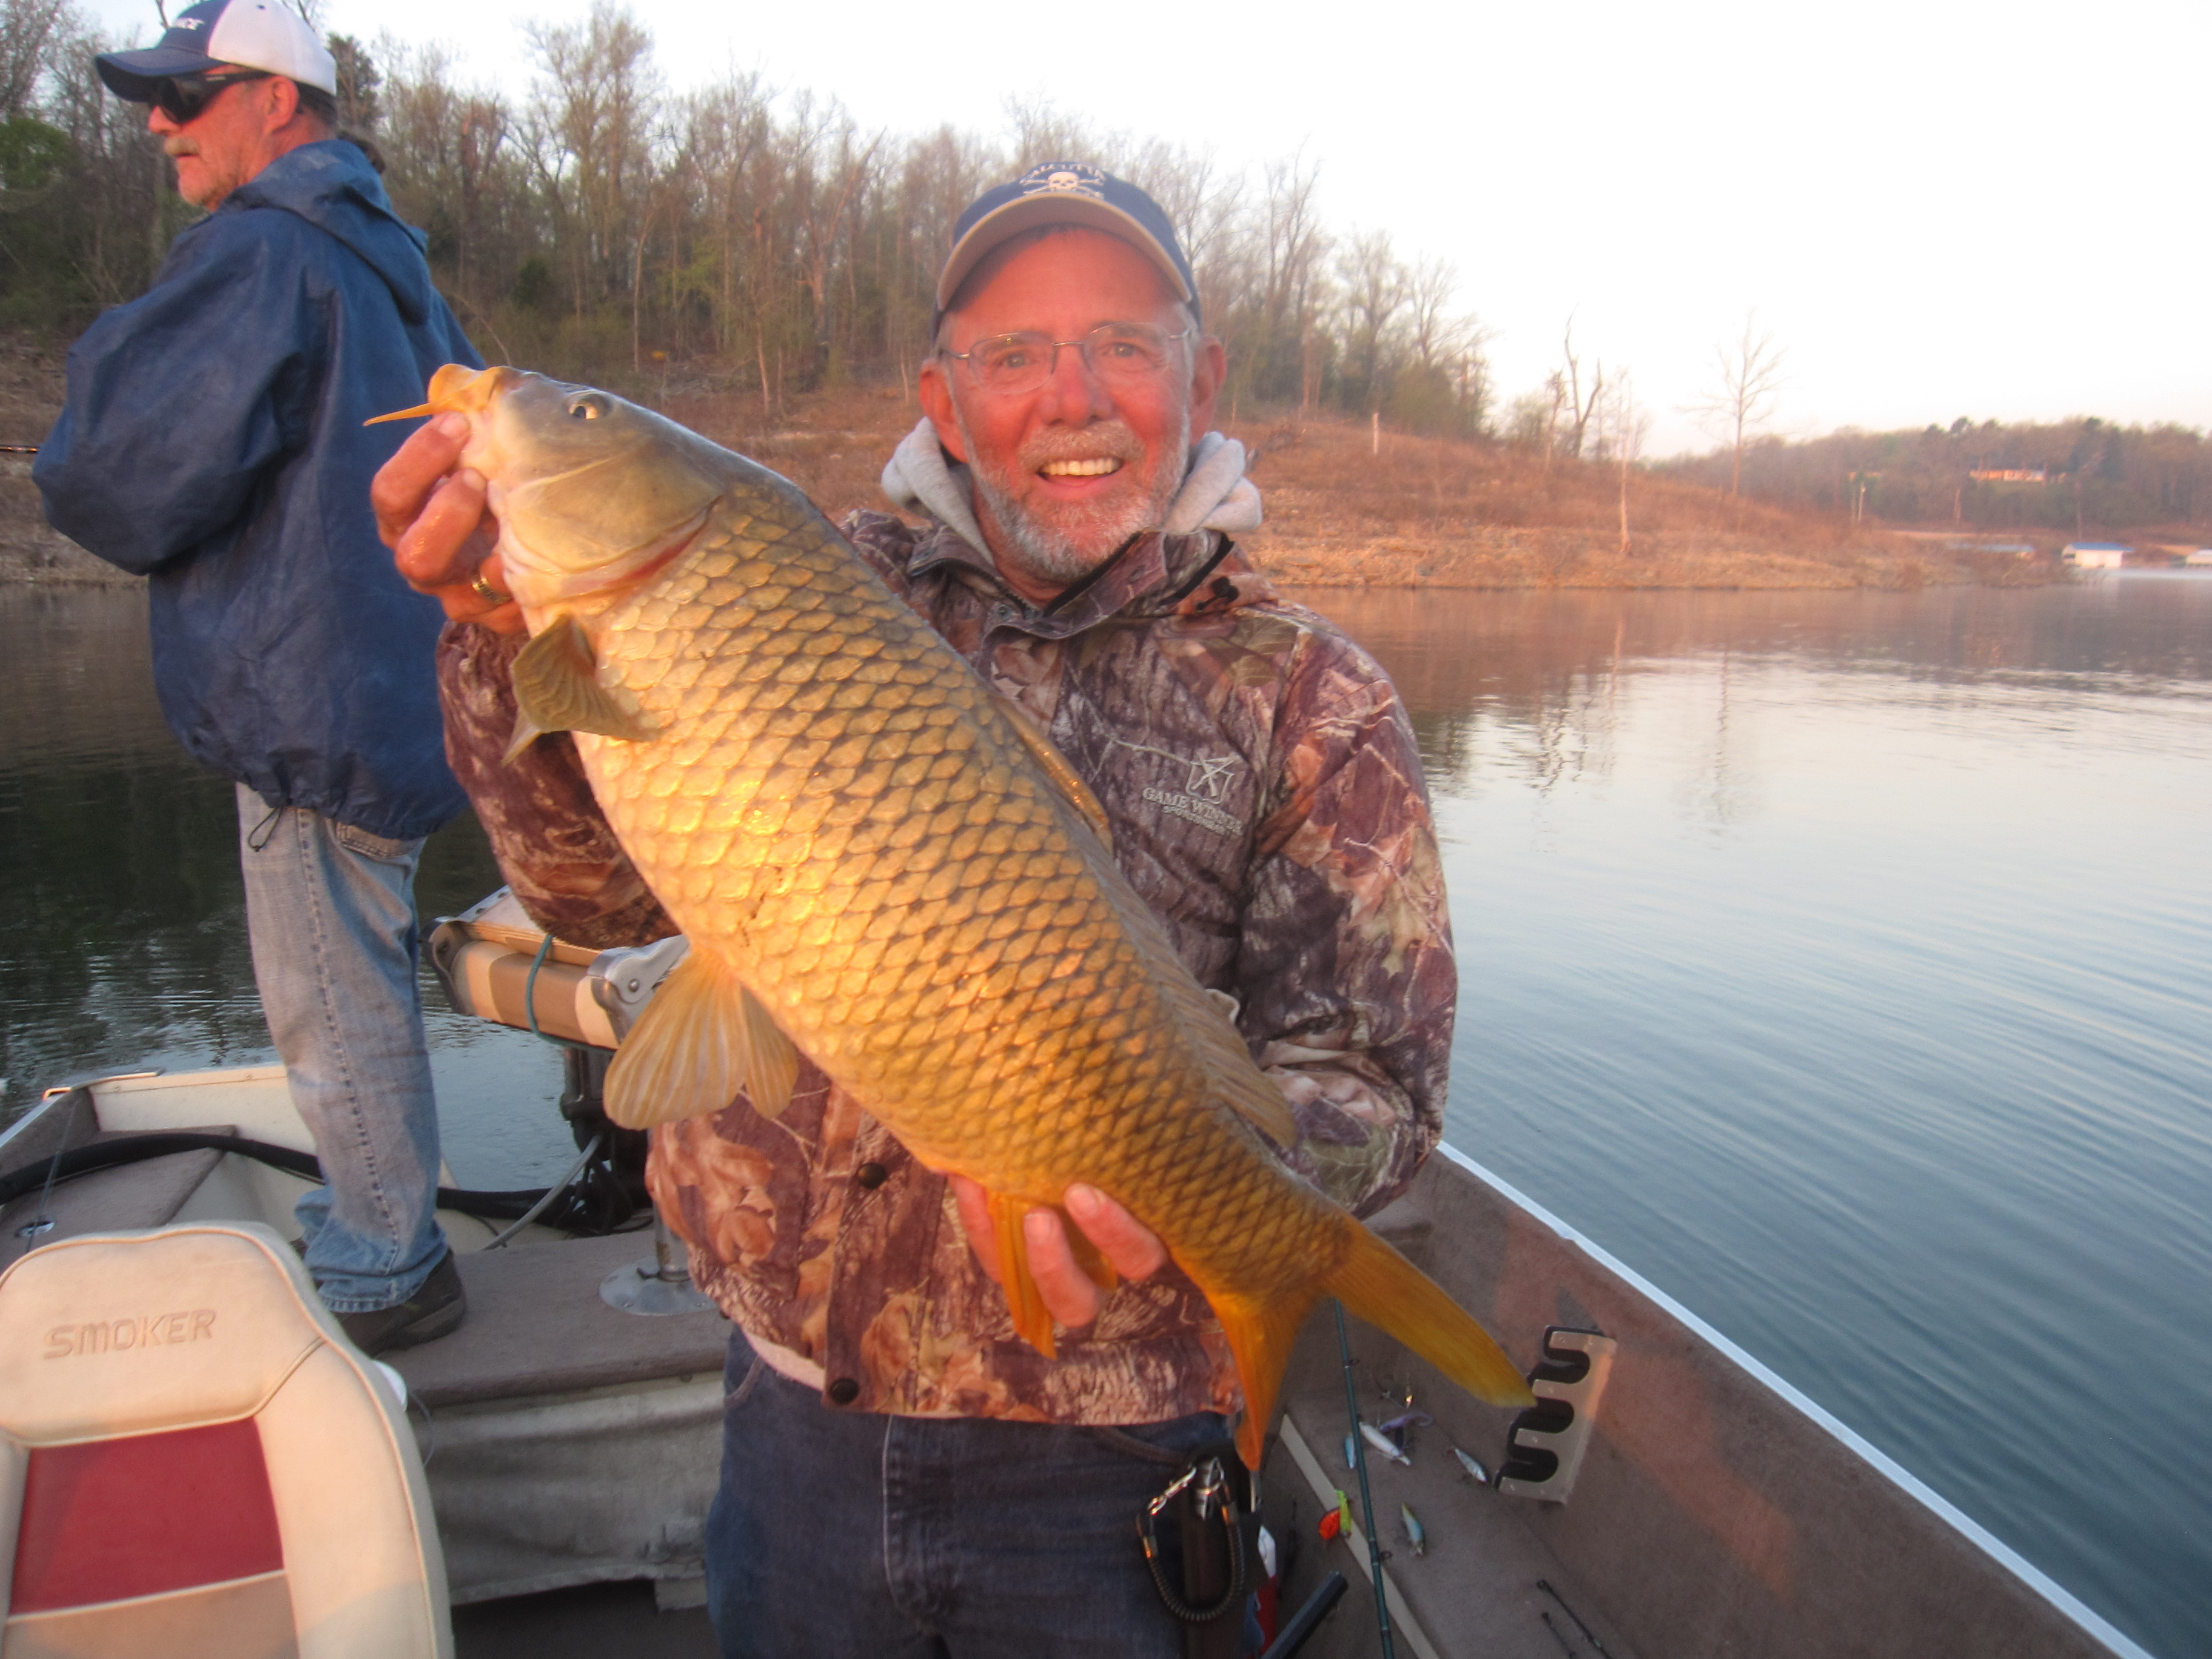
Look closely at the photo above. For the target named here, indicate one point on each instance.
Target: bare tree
(1750, 377)
(1376, 290)
(1624, 423)
(29, 32)
(1578, 408)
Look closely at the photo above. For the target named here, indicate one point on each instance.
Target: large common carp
(879, 859)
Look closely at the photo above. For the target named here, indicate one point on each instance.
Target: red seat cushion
(144, 1515)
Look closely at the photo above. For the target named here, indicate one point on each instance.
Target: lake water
(1840, 961)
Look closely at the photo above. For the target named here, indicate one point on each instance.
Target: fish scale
(862, 840)
(808, 953)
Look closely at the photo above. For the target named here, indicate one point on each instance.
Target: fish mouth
(455, 389)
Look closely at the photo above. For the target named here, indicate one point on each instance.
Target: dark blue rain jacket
(213, 440)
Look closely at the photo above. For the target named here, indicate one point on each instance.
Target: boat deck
(571, 1450)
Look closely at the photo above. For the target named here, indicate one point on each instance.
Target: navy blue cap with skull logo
(1063, 193)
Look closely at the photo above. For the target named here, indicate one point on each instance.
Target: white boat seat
(196, 1464)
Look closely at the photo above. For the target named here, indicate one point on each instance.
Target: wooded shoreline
(1348, 505)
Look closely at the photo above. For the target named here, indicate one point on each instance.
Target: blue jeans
(837, 1533)
(330, 912)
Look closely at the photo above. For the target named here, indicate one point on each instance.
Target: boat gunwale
(2061, 1600)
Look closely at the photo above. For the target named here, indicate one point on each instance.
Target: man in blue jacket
(212, 440)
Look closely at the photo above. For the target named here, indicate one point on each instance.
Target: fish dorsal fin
(1261, 1104)
(556, 689)
(702, 1040)
(1054, 765)
(1211, 1016)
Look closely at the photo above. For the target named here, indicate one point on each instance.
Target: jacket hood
(330, 185)
(1215, 494)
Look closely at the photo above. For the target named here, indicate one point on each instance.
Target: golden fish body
(873, 855)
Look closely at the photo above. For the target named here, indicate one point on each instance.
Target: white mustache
(177, 144)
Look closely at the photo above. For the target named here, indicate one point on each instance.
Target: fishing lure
(1416, 1535)
(1384, 1443)
(1473, 1465)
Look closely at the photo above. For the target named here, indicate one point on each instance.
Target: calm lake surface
(1841, 962)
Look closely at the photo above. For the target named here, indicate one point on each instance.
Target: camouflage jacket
(1266, 797)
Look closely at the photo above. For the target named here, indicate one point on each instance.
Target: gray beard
(1067, 551)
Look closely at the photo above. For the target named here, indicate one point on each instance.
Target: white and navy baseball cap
(261, 34)
(1063, 193)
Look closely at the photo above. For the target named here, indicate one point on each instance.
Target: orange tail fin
(1387, 1290)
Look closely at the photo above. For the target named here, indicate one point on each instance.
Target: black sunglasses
(183, 97)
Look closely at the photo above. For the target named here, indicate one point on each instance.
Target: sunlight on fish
(883, 865)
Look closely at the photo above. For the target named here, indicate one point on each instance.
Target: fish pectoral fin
(1032, 1321)
(527, 732)
(1054, 765)
(701, 1040)
(770, 1060)
(1088, 1256)
(1261, 1332)
(556, 689)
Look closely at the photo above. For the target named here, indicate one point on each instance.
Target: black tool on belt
(1205, 1520)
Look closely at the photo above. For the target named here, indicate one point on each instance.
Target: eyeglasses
(1011, 364)
(183, 98)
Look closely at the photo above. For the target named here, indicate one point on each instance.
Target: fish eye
(589, 407)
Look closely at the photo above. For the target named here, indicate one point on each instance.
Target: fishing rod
(19, 449)
(1366, 1499)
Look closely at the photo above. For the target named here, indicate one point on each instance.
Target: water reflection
(123, 913)
(1840, 961)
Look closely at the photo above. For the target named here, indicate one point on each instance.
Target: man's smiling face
(1068, 472)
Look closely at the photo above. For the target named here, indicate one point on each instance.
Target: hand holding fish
(1132, 1249)
(430, 511)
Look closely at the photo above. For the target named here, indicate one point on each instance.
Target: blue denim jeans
(330, 912)
(837, 1533)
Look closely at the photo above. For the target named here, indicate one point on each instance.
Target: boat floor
(1477, 1587)
(536, 1327)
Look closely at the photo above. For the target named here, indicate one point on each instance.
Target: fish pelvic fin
(1261, 1333)
(1054, 766)
(556, 689)
(1389, 1292)
(701, 1040)
(1032, 1321)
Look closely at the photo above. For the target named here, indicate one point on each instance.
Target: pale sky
(1938, 209)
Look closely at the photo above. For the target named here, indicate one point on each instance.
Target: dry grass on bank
(1423, 513)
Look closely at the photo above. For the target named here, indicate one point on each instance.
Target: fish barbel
(880, 863)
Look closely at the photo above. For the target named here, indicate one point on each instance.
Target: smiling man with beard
(901, 1474)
